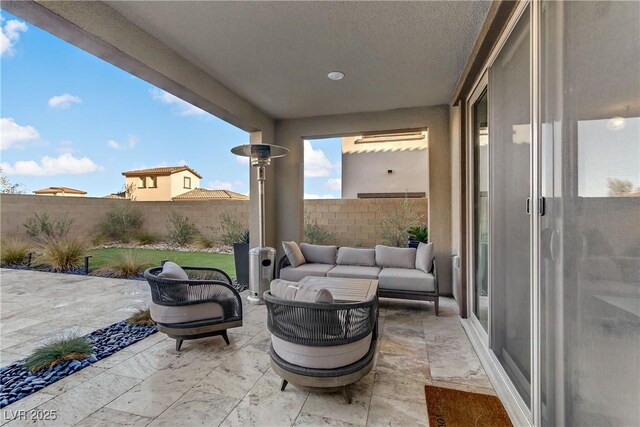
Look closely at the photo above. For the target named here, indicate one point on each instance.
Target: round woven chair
(207, 300)
(316, 328)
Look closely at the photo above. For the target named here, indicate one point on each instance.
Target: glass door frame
(515, 405)
(481, 86)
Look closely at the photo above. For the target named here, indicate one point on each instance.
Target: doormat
(447, 407)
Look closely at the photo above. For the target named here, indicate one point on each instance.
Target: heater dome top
(260, 151)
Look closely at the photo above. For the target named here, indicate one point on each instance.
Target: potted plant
(417, 235)
(241, 257)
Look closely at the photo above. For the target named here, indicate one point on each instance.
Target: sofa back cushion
(293, 253)
(387, 256)
(357, 256)
(319, 254)
(424, 256)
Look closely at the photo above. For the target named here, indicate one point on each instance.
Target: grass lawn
(103, 257)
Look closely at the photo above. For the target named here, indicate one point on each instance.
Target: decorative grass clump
(147, 238)
(63, 254)
(141, 318)
(13, 251)
(128, 263)
(59, 351)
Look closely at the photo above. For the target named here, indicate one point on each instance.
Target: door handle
(527, 206)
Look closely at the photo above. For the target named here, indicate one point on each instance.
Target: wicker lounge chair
(204, 305)
(316, 336)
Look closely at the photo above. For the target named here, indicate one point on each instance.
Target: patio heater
(261, 259)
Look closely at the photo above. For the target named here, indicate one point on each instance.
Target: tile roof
(56, 190)
(206, 194)
(120, 195)
(168, 170)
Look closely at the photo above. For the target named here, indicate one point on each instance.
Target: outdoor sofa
(406, 273)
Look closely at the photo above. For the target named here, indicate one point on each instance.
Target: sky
(68, 118)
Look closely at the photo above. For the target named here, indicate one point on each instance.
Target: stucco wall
(365, 166)
(289, 169)
(352, 222)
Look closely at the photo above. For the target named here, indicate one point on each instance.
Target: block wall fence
(351, 221)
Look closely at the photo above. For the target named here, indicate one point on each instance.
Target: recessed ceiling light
(336, 75)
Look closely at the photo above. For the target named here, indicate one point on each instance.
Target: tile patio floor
(209, 383)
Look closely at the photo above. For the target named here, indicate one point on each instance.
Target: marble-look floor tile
(73, 380)
(36, 399)
(309, 420)
(7, 358)
(155, 394)
(106, 417)
(83, 400)
(395, 412)
(236, 375)
(396, 386)
(333, 405)
(266, 405)
(196, 408)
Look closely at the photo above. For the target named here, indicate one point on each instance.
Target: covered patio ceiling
(276, 55)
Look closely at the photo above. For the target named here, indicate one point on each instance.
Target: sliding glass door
(589, 236)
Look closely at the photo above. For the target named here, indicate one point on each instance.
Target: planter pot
(241, 257)
(412, 243)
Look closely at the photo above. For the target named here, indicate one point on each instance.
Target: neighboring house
(161, 184)
(60, 191)
(206, 194)
(385, 165)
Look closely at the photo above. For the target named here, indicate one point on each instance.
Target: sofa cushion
(321, 357)
(354, 272)
(404, 279)
(356, 256)
(293, 253)
(424, 256)
(387, 256)
(296, 274)
(171, 270)
(319, 254)
(185, 313)
(300, 292)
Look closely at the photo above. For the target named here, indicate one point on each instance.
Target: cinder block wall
(353, 222)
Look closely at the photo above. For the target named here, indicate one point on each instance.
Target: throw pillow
(294, 254)
(424, 256)
(171, 270)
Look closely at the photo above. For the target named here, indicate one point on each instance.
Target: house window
(187, 182)
(153, 182)
(143, 182)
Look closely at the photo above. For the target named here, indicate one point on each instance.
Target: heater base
(255, 300)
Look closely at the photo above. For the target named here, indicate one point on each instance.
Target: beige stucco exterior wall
(168, 186)
(455, 120)
(177, 182)
(365, 166)
(289, 170)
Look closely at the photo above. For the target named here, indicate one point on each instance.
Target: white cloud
(132, 141)
(334, 184)
(10, 35)
(183, 108)
(63, 164)
(316, 163)
(225, 185)
(12, 133)
(63, 101)
(243, 160)
(318, 196)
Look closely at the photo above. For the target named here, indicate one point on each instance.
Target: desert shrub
(14, 251)
(147, 238)
(141, 318)
(128, 263)
(122, 223)
(394, 226)
(314, 233)
(99, 240)
(58, 351)
(63, 254)
(206, 240)
(42, 227)
(231, 229)
(181, 230)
